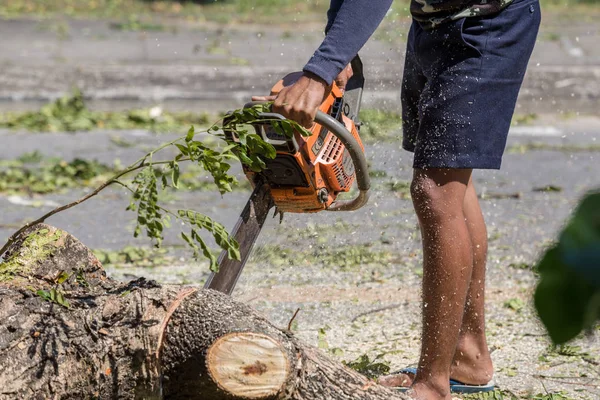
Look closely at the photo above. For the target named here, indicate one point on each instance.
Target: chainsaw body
(309, 172)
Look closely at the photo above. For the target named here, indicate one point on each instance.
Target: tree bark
(67, 331)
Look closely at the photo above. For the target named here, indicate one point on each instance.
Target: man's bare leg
(472, 363)
(444, 201)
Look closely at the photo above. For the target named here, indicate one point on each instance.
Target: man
(465, 62)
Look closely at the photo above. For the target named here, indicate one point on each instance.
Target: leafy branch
(239, 144)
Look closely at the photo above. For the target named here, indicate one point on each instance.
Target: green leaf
(322, 338)
(43, 294)
(183, 149)
(561, 298)
(175, 175)
(567, 297)
(214, 267)
(190, 134)
(60, 299)
(63, 276)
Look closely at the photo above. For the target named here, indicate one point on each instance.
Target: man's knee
(438, 195)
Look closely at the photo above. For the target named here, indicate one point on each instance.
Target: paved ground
(211, 69)
(381, 267)
(195, 67)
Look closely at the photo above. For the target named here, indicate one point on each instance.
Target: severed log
(67, 331)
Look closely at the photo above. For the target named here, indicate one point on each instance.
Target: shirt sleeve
(350, 24)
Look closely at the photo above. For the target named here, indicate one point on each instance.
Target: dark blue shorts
(460, 86)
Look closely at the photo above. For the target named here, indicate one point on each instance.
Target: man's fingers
(343, 77)
(294, 113)
(264, 98)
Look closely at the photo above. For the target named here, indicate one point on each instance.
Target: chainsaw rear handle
(334, 126)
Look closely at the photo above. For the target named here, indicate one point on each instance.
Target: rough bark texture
(69, 332)
(98, 343)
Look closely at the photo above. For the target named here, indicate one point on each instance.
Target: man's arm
(351, 24)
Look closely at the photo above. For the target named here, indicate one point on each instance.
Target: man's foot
(471, 366)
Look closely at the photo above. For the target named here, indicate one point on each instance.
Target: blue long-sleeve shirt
(350, 24)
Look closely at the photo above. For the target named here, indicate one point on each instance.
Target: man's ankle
(472, 363)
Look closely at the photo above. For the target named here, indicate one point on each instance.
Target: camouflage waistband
(432, 13)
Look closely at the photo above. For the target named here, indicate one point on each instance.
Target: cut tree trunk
(69, 332)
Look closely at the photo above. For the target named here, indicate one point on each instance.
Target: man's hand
(301, 100)
(344, 76)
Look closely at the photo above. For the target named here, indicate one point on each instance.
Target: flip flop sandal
(455, 386)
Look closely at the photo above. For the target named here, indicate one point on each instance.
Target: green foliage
(200, 221)
(520, 265)
(498, 394)
(153, 176)
(514, 304)
(567, 297)
(240, 144)
(551, 396)
(344, 257)
(131, 255)
(219, 11)
(135, 24)
(493, 395)
(524, 119)
(322, 338)
(69, 114)
(522, 148)
(401, 188)
(548, 188)
(251, 149)
(568, 350)
(54, 296)
(33, 174)
(369, 368)
(380, 125)
(36, 246)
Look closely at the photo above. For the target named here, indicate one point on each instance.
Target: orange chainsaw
(306, 175)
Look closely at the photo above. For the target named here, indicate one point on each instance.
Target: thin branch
(289, 327)
(114, 179)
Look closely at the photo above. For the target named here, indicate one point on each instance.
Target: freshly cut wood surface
(248, 365)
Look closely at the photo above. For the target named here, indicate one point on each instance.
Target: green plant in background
(132, 256)
(369, 368)
(514, 304)
(344, 257)
(153, 174)
(567, 297)
(380, 125)
(70, 114)
(505, 395)
(33, 174)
